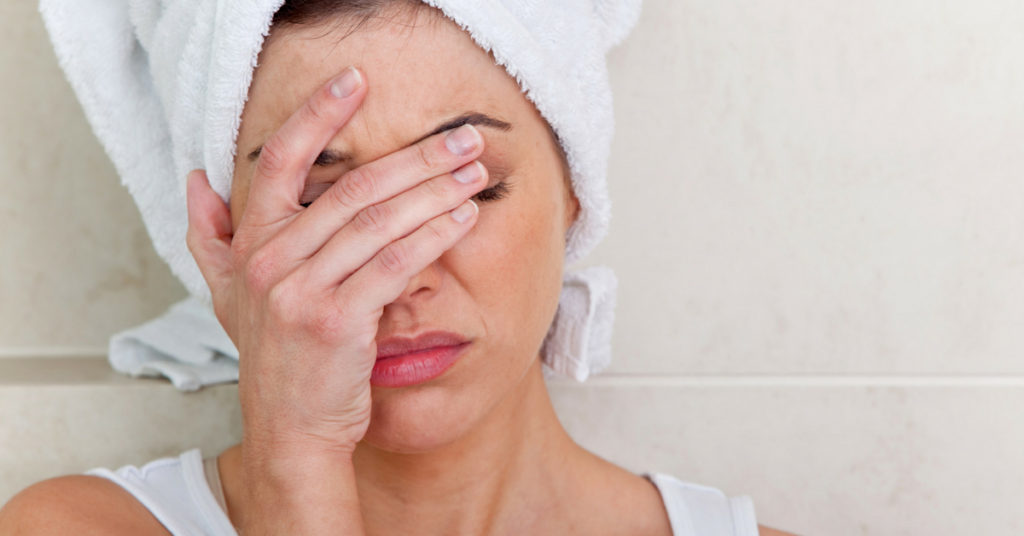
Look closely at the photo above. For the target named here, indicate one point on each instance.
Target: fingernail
(463, 140)
(346, 84)
(464, 212)
(469, 172)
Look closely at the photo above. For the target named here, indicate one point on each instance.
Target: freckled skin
(501, 282)
(480, 447)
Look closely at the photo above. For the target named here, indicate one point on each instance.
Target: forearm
(309, 494)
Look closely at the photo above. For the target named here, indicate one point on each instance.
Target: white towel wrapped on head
(164, 82)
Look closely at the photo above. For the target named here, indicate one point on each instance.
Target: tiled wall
(818, 230)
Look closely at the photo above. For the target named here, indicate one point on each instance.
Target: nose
(422, 285)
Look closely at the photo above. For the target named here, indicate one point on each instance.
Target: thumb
(209, 232)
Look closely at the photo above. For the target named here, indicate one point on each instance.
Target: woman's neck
(516, 460)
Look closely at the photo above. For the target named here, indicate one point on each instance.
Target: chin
(419, 419)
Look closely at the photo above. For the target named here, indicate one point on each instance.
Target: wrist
(300, 491)
(281, 462)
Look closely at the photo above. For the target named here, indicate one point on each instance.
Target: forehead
(419, 67)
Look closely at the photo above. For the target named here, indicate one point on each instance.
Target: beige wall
(818, 215)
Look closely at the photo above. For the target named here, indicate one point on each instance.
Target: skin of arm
(310, 493)
(291, 495)
(77, 504)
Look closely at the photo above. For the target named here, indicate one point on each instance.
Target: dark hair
(301, 12)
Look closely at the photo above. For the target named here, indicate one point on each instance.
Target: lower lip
(416, 367)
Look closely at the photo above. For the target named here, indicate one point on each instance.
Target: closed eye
(494, 193)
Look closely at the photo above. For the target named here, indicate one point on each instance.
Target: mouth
(392, 347)
(416, 367)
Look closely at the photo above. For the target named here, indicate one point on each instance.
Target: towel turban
(164, 82)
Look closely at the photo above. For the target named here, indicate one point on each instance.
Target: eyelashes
(494, 193)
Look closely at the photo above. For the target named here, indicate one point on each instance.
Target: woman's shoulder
(77, 504)
(164, 496)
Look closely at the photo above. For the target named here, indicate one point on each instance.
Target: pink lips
(402, 361)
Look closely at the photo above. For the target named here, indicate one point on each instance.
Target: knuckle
(315, 110)
(281, 301)
(355, 189)
(394, 258)
(259, 271)
(440, 189)
(373, 219)
(273, 156)
(436, 231)
(327, 324)
(424, 156)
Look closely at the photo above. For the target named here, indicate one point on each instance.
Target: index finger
(287, 156)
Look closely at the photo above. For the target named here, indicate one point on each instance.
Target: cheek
(511, 262)
(516, 238)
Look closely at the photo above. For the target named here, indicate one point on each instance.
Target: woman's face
(500, 284)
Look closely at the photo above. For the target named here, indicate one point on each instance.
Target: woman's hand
(301, 291)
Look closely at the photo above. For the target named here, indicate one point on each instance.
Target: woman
(352, 237)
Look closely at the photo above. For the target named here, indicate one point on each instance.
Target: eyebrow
(329, 157)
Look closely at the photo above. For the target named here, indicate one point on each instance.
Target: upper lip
(393, 346)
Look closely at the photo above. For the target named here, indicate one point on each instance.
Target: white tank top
(184, 494)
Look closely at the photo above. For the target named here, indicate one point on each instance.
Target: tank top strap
(176, 492)
(697, 510)
(212, 473)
